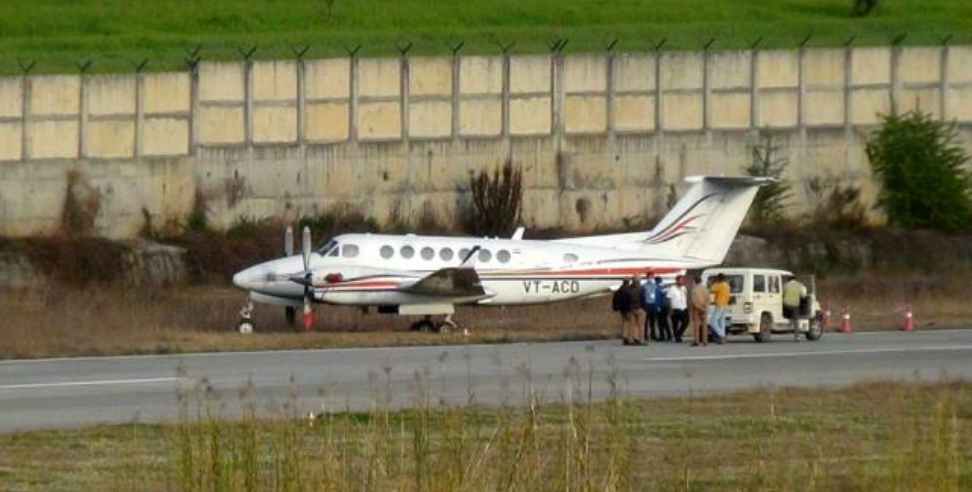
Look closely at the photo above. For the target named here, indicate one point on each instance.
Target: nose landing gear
(245, 326)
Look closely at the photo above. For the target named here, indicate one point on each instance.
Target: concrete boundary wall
(602, 133)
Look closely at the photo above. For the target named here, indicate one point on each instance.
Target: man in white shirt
(678, 298)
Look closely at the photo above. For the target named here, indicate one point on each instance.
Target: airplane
(428, 276)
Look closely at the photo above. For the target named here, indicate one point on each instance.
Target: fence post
(895, 75)
(456, 87)
(138, 149)
(610, 95)
(247, 96)
(848, 87)
(505, 108)
(301, 96)
(754, 116)
(707, 90)
(943, 88)
(353, 93)
(659, 99)
(802, 89)
(83, 109)
(557, 92)
(404, 89)
(192, 62)
(26, 92)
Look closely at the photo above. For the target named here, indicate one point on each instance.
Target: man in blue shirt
(648, 304)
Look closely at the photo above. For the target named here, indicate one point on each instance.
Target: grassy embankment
(118, 34)
(876, 436)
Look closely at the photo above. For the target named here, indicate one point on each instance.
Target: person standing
(648, 304)
(678, 299)
(721, 292)
(619, 304)
(636, 319)
(794, 293)
(662, 309)
(698, 304)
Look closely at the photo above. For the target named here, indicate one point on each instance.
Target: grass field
(117, 34)
(874, 436)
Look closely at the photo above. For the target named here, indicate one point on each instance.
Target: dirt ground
(116, 320)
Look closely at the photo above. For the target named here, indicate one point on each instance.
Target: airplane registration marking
(551, 286)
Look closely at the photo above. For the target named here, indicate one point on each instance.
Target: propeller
(305, 250)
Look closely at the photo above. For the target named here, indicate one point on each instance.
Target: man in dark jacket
(662, 307)
(620, 305)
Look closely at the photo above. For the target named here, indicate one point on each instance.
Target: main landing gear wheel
(446, 325)
(424, 325)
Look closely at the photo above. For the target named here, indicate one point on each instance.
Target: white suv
(756, 304)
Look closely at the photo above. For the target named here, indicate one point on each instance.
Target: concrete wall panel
(960, 104)
(681, 71)
(379, 77)
(926, 100)
(54, 139)
(778, 68)
(778, 109)
(274, 124)
(960, 64)
(824, 108)
(729, 69)
(871, 65)
(824, 67)
(530, 74)
(682, 112)
(110, 139)
(585, 73)
(920, 65)
(165, 136)
(110, 94)
(530, 116)
(275, 80)
(585, 114)
(481, 75)
(868, 103)
(634, 113)
(430, 76)
(328, 78)
(11, 103)
(730, 110)
(220, 81)
(327, 122)
(634, 72)
(481, 117)
(55, 94)
(10, 138)
(430, 119)
(166, 92)
(220, 125)
(379, 121)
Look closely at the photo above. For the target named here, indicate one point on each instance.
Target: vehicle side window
(503, 256)
(407, 252)
(387, 251)
(570, 258)
(445, 254)
(349, 250)
(485, 255)
(759, 283)
(428, 253)
(775, 284)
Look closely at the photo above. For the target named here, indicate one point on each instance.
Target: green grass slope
(118, 34)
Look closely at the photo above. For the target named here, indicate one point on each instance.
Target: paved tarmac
(67, 393)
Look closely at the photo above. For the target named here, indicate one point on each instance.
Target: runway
(67, 393)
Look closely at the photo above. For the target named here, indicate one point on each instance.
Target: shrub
(920, 168)
(771, 199)
(836, 204)
(496, 200)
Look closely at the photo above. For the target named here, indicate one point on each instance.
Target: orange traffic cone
(909, 320)
(845, 322)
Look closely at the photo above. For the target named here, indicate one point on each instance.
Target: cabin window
(463, 253)
(759, 283)
(570, 258)
(349, 250)
(485, 255)
(407, 252)
(503, 256)
(428, 253)
(445, 254)
(387, 251)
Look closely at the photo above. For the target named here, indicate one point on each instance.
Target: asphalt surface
(67, 393)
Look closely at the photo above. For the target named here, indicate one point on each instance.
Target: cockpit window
(328, 249)
(333, 251)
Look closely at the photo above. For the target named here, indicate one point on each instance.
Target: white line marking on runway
(103, 382)
(770, 355)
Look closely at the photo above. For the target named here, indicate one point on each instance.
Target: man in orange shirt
(720, 293)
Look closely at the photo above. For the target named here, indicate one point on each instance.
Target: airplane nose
(245, 279)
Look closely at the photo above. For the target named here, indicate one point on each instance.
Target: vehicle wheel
(423, 326)
(765, 328)
(815, 330)
(245, 327)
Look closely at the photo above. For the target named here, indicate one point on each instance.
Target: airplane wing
(449, 282)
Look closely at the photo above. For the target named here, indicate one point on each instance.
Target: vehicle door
(760, 298)
(774, 297)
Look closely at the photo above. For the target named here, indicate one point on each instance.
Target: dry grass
(875, 436)
(102, 321)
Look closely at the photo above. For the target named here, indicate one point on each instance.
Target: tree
(771, 199)
(496, 201)
(924, 183)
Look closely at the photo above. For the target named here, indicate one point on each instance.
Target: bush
(836, 204)
(496, 200)
(920, 168)
(771, 199)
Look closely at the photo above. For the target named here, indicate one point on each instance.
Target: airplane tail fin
(701, 225)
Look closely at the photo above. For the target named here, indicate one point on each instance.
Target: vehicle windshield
(735, 283)
(330, 246)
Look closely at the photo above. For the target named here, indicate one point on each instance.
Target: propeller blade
(305, 248)
(289, 241)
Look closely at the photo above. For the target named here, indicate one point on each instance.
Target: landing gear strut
(426, 325)
(245, 326)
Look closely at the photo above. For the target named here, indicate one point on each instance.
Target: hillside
(118, 34)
